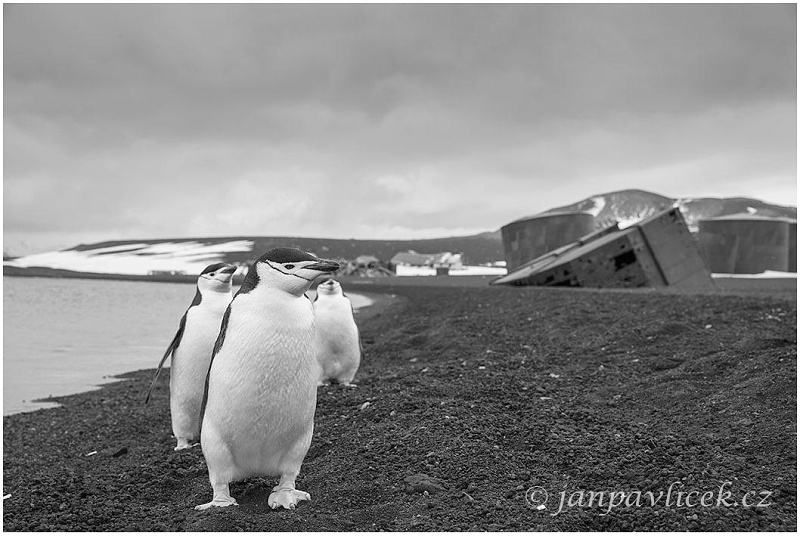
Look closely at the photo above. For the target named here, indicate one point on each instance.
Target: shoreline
(723, 283)
(492, 391)
(376, 303)
(59, 273)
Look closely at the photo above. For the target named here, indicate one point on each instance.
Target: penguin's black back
(250, 281)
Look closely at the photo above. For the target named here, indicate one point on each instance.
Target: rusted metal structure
(528, 238)
(748, 244)
(658, 251)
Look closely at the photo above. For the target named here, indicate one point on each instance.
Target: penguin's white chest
(266, 351)
(191, 358)
(199, 336)
(337, 347)
(189, 367)
(262, 383)
(193, 355)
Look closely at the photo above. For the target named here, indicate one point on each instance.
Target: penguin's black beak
(323, 266)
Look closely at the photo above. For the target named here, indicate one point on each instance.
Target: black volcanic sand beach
(487, 391)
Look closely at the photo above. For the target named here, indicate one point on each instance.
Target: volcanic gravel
(467, 398)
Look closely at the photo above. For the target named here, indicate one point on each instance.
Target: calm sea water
(64, 336)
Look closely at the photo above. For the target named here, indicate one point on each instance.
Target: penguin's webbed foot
(348, 384)
(219, 501)
(321, 383)
(287, 498)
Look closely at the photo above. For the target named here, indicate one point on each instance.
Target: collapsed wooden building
(655, 252)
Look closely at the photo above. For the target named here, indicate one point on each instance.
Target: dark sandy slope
(491, 390)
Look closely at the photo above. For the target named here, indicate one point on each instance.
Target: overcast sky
(381, 121)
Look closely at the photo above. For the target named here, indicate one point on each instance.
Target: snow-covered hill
(630, 206)
(188, 257)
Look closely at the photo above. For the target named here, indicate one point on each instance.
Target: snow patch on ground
(769, 274)
(136, 259)
(466, 270)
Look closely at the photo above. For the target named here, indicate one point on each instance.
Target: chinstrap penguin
(261, 388)
(191, 351)
(338, 348)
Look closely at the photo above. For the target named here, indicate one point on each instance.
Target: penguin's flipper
(176, 340)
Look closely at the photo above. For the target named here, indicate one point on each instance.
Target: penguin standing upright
(191, 350)
(337, 344)
(261, 388)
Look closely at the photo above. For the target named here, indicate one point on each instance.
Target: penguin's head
(329, 287)
(287, 269)
(216, 278)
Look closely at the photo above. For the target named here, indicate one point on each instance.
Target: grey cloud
(522, 61)
(150, 106)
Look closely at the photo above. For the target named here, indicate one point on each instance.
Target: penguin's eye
(288, 266)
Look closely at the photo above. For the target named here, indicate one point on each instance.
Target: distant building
(367, 261)
(448, 260)
(411, 258)
(434, 260)
(749, 244)
(526, 239)
(413, 263)
(166, 272)
(363, 266)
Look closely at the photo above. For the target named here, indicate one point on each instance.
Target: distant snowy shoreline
(173, 258)
(167, 261)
